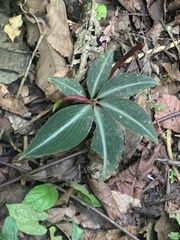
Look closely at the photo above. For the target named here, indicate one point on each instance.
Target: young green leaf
(131, 116)
(27, 218)
(86, 196)
(125, 84)
(10, 229)
(99, 72)
(107, 141)
(77, 232)
(52, 231)
(64, 130)
(68, 86)
(42, 197)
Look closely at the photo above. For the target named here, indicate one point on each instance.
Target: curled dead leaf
(11, 103)
(104, 194)
(171, 105)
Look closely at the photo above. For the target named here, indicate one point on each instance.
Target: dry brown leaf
(132, 180)
(155, 32)
(10, 103)
(78, 213)
(113, 234)
(172, 70)
(125, 202)
(131, 5)
(57, 30)
(148, 231)
(34, 5)
(165, 226)
(66, 228)
(50, 62)
(104, 194)
(156, 10)
(171, 105)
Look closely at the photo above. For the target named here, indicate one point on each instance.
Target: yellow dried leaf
(12, 29)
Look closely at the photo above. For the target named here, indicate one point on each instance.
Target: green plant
(174, 236)
(107, 107)
(25, 216)
(101, 10)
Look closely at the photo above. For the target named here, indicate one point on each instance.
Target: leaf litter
(140, 176)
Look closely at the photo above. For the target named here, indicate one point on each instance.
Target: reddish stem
(125, 57)
(78, 98)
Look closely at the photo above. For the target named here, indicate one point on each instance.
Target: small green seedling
(172, 175)
(101, 10)
(107, 107)
(25, 216)
(87, 197)
(159, 107)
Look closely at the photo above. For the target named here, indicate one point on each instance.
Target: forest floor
(41, 39)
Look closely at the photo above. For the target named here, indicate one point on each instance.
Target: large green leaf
(27, 219)
(125, 84)
(131, 116)
(99, 72)
(42, 197)
(64, 130)
(68, 86)
(107, 141)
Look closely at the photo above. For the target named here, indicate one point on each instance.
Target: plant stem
(78, 98)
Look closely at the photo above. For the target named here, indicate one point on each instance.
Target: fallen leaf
(164, 226)
(12, 29)
(79, 214)
(50, 62)
(104, 194)
(172, 70)
(57, 29)
(11, 103)
(132, 180)
(131, 6)
(125, 202)
(156, 10)
(171, 104)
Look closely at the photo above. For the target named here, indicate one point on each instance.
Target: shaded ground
(143, 196)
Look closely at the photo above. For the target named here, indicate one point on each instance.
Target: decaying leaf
(81, 215)
(55, 45)
(164, 226)
(104, 194)
(171, 105)
(12, 29)
(57, 30)
(173, 70)
(11, 103)
(50, 62)
(14, 55)
(131, 5)
(132, 180)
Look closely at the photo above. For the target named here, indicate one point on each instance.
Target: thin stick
(29, 65)
(99, 213)
(28, 174)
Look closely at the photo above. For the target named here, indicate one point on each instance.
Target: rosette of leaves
(107, 106)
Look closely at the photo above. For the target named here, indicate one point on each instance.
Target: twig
(35, 50)
(174, 114)
(28, 174)
(19, 130)
(29, 65)
(154, 50)
(171, 36)
(99, 213)
(169, 162)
